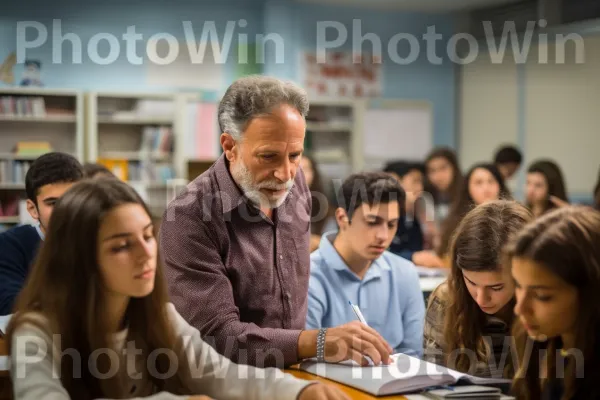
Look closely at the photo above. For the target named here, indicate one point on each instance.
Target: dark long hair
(554, 180)
(457, 178)
(565, 241)
(464, 203)
(65, 287)
(477, 246)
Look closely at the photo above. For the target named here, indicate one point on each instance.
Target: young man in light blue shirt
(353, 265)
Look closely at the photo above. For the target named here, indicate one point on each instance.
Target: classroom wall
(295, 22)
(547, 108)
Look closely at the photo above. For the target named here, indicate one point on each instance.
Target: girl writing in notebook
(469, 316)
(95, 315)
(556, 268)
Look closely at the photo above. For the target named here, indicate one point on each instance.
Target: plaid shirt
(237, 276)
(495, 332)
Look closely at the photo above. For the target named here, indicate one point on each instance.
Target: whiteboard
(397, 133)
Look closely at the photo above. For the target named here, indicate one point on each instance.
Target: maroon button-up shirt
(237, 276)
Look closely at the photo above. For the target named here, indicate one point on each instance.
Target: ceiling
(440, 6)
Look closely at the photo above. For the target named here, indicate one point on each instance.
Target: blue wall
(419, 80)
(296, 23)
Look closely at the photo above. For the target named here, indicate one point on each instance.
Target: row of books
(32, 148)
(22, 106)
(9, 206)
(13, 171)
(139, 171)
(157, 139)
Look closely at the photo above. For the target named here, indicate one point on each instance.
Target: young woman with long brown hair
(545, 188)
(483, 182)
(556, 268)
(444, 178)
(469, 316)
(95, 308)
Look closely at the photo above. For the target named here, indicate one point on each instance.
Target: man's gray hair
(257, 95)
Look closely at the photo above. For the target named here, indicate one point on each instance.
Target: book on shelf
(32, 148)
(13, 171)
(405, 375)
(22, 106)
(157, 139)
(9, 206)
(139, 171)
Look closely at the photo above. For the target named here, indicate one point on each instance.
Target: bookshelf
(136, 136)
(34, 121)
(334, 137)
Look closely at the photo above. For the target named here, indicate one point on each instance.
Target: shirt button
(280, 257)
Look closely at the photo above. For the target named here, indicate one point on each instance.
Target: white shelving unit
(31, 114)
(140, 131)
(334, 136)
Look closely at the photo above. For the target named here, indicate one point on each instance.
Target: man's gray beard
(241, 174)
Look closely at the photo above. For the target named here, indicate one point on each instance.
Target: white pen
(358, 313)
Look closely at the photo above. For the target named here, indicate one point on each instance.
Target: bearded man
(235, 243)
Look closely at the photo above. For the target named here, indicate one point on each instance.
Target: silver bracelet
(321, 345)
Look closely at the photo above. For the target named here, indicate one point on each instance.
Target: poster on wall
(343, 74)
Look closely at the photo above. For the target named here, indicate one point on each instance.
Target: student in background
(97, 286)
(408, 241)
(508, 160)
(482, 183)
(353, 265)
(320, 202)
(47, 179)
(95, 170)
(473, 310)
(556, 268)
(545, 187)
(445, 177)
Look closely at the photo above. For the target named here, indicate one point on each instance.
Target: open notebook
(407, 374)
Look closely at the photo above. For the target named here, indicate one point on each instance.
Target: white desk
(428, 284)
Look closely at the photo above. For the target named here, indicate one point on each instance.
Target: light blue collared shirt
(39, 231)
(389, 296)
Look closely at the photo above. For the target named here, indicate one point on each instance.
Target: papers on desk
(406, 374)
(426, 272)
(4, 319)
(458, 395)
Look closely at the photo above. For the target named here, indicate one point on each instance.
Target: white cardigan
(213, 375)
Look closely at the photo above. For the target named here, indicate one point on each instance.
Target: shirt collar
(39, 231)
(335, 261)
(231, 194)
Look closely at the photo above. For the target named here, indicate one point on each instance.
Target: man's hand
(427, 258)
(321, 391)
(354, 341)
(199, 398)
